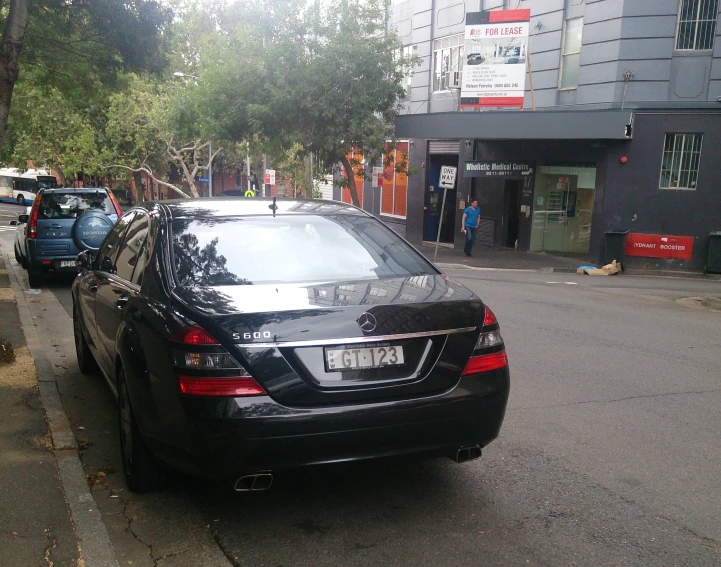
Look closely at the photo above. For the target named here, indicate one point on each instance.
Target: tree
(329, 80)
(51, 130)
(142, 134)
(74, 45)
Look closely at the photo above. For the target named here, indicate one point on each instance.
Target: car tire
(142, 472)
(21, 199)
(35, 280)
(86, 361)
(18, 259)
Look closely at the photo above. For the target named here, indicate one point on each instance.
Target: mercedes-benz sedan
(242, 336)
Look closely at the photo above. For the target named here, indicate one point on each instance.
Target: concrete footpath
(47, 514)
(485, 258)
(35, 523)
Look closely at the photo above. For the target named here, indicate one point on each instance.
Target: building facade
(620, 132)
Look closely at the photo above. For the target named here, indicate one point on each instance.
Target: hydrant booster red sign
(659, 246)
(494, 62)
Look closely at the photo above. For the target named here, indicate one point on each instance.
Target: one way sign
(448, 177)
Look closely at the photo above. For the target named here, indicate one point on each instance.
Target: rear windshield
(284, 249)
(71, 205)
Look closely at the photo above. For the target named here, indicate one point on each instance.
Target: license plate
(67, 263)
(339, 359)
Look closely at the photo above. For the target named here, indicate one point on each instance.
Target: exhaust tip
(467, 454)
(254, 482)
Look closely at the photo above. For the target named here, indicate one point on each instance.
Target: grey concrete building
(625, 135)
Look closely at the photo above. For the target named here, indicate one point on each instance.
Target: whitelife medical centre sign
(496, 46)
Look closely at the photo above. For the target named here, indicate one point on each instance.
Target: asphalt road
(609, 454)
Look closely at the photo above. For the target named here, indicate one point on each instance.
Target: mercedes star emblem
(367, 322)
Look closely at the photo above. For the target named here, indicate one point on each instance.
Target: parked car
(19, 243)
(61, 224)
(244, 336)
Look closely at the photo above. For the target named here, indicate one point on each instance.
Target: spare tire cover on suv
(90, 229)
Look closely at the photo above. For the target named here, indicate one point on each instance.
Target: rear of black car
(313, 338)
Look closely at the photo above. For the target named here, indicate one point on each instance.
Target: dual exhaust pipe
(254, 482)
(468, 453)
(260, 481)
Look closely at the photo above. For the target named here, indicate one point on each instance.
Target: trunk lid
(281, 333)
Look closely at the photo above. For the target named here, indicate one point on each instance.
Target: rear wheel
(86, 362)
(21, 200)
(18, 259)
(35, 279)
(142, 473)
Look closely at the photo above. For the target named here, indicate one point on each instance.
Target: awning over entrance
(517, 125)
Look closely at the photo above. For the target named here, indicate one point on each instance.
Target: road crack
(140, 540)
(53, 543)
(640, 397)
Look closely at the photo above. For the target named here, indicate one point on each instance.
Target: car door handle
(55, 226)
(121, 301)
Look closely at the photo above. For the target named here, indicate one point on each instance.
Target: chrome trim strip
(355, 340)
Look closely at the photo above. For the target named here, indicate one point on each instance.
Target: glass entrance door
(563, 209)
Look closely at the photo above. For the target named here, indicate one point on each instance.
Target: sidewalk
(35, 524)
(507, 259)
(484, 257)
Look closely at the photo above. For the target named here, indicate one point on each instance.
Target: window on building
(571, 53)
(448, 62)
(395, 179)
(696, 24)
(681, 160)
(407, 53)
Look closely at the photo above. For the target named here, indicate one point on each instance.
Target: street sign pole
(247, 161)
(210, 169)
(447, 180)
(440, 223)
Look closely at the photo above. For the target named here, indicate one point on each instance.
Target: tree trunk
(11, 45)
(351, 180)
(138, 181)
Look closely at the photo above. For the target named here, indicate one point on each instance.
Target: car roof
(75, 190)
(255, 206)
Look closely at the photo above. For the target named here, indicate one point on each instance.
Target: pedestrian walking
(469, 224)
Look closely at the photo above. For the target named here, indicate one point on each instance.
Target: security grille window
(696, 24)
(681, 159)
(571, 53)
(447, 62)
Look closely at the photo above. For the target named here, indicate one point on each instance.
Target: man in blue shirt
(469, 224)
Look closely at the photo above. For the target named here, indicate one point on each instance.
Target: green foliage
(49, 128)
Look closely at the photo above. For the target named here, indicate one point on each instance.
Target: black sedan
(244, 336)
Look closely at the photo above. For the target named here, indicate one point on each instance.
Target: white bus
(21, 188)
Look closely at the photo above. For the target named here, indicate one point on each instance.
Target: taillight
(489, 318)
(205, 368)
(489, 340)
(486, 363)
(194, 335)
(115, 203)
(240, 386)
(32, 230)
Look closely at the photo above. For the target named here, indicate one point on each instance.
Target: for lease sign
(494, 70)
(659, 246)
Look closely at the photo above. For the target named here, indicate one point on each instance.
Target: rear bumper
(49, 263)
(244, 435)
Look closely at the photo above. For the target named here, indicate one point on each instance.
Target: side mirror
(84, 260)
(22, 219)
(13, 223)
